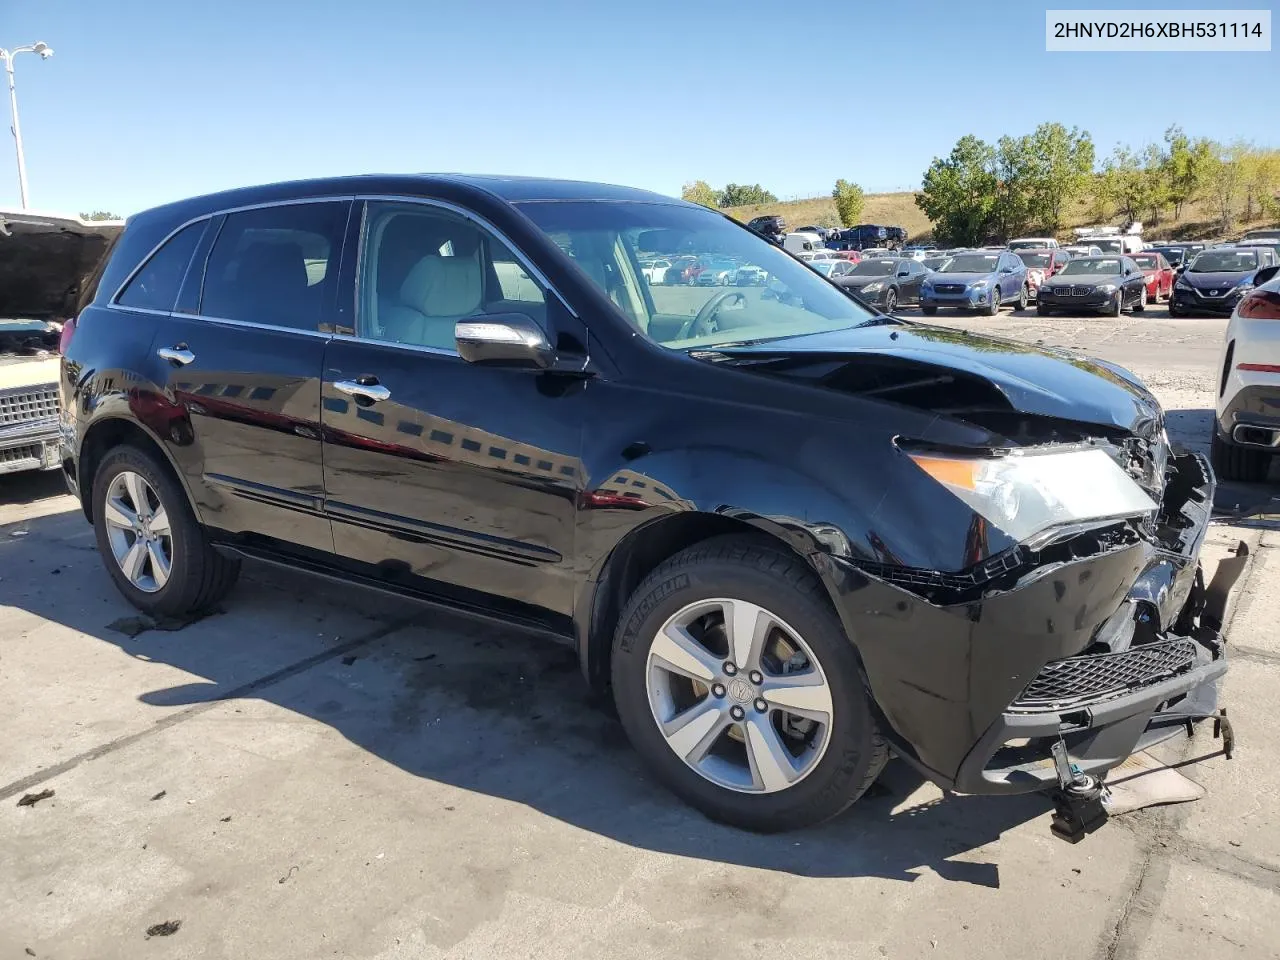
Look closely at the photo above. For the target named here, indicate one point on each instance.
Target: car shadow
(492, 711)
(1242, 504)
(30, 486)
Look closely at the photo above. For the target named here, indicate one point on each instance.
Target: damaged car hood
(957, 373)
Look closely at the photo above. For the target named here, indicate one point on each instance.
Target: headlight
(1107, 288)
(1182, 284)
(979, 285)
(1026, 492)
(875, 287)
(1245, 285)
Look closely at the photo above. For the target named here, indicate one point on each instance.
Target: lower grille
(25, 405)
(949, 287)
(1076, 681)
(28, 451)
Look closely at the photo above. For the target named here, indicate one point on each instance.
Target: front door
(240, 362)
(440, 475)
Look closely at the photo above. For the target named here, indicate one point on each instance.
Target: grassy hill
(1198, 221)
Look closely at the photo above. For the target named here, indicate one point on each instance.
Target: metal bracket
(1077, 803)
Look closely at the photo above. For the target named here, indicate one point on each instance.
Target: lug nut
(730, 668)
(756, 677)
(737, 712)
(762, 706)
(717, 690)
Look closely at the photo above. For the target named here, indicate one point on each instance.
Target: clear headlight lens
(875, 287)
(1026, 492)
(1107, 288)
(979, 285)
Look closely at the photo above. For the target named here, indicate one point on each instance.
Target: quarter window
(155, 286)
(422, 269)
(275, 265)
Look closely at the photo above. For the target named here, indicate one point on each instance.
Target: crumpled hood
(1034, 380)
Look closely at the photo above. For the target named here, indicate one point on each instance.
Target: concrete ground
(322, 772)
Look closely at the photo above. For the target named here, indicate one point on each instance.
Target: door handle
(179, 356)
(372, 392)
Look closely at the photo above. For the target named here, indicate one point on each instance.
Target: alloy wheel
(890, 301)
(739, 696)
(138, 531)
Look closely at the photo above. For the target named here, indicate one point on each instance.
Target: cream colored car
(45, 261)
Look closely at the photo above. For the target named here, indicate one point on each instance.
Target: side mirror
(904, 273)
(504, 339)
(1265, 275)
(1006, 269)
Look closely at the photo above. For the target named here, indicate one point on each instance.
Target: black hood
(46, 262)
(1216, 281)
(959, 374)
(1083, 279)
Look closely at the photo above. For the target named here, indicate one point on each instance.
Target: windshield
(970, 263)
(1146, 260)
(824, 267)
(607, 241)
(1036, 259)
(873, 268)
(1224, 261)
(934, 263)
(1025, 244)
(1100, 265)
(1110, 246)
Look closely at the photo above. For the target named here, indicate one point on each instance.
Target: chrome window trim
(115, 297)
(251, 324)
(414, 347)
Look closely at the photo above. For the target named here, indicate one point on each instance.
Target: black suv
(791, 533)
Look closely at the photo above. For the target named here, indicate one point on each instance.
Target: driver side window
(423, 268)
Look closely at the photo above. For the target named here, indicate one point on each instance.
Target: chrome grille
(1081, 291)
(1076, 681)
(949, 287)
(26, 405)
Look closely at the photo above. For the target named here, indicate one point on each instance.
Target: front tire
(993, 307)
(1141, 305)
(1242, 464)
(693, 711)
(1023, 298)
(150, 541)
(890, 300)
(1117, 309)
(1042, 310)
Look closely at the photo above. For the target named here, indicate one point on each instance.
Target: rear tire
(1238, 463)
(1023, 298)
(197, 576)
(747, 571)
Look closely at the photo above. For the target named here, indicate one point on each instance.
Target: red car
(1042, 264)
(851, 255)
(1158, 273)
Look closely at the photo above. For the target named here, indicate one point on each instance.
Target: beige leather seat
(437, 292)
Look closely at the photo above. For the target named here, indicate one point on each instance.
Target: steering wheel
(704, 322)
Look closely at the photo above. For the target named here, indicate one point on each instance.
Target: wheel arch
(606, 591)
(105, 435)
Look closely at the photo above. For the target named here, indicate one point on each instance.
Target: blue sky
(148, 101)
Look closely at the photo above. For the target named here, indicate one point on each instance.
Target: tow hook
(1077, 803)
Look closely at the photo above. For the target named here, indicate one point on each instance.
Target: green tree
(1186, 165)
(1261, 179)
(1015, 168)
(1124, 182)
(739, 195)
(699, 191)
(957, 193)
(849, 202)
(1156, 192)
(1063, 169)
(1224, 179)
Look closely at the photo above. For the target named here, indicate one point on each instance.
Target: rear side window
(275, 265)
(155, 286)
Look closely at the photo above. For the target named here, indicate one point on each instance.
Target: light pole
(45, 52)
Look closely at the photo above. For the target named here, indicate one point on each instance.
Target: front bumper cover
(951, 681)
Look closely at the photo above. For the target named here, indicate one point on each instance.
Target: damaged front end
(1094, 643)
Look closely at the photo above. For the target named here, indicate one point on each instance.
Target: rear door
(240, 362)
(448, 477)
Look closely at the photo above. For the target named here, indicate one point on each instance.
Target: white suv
(1247, 424)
